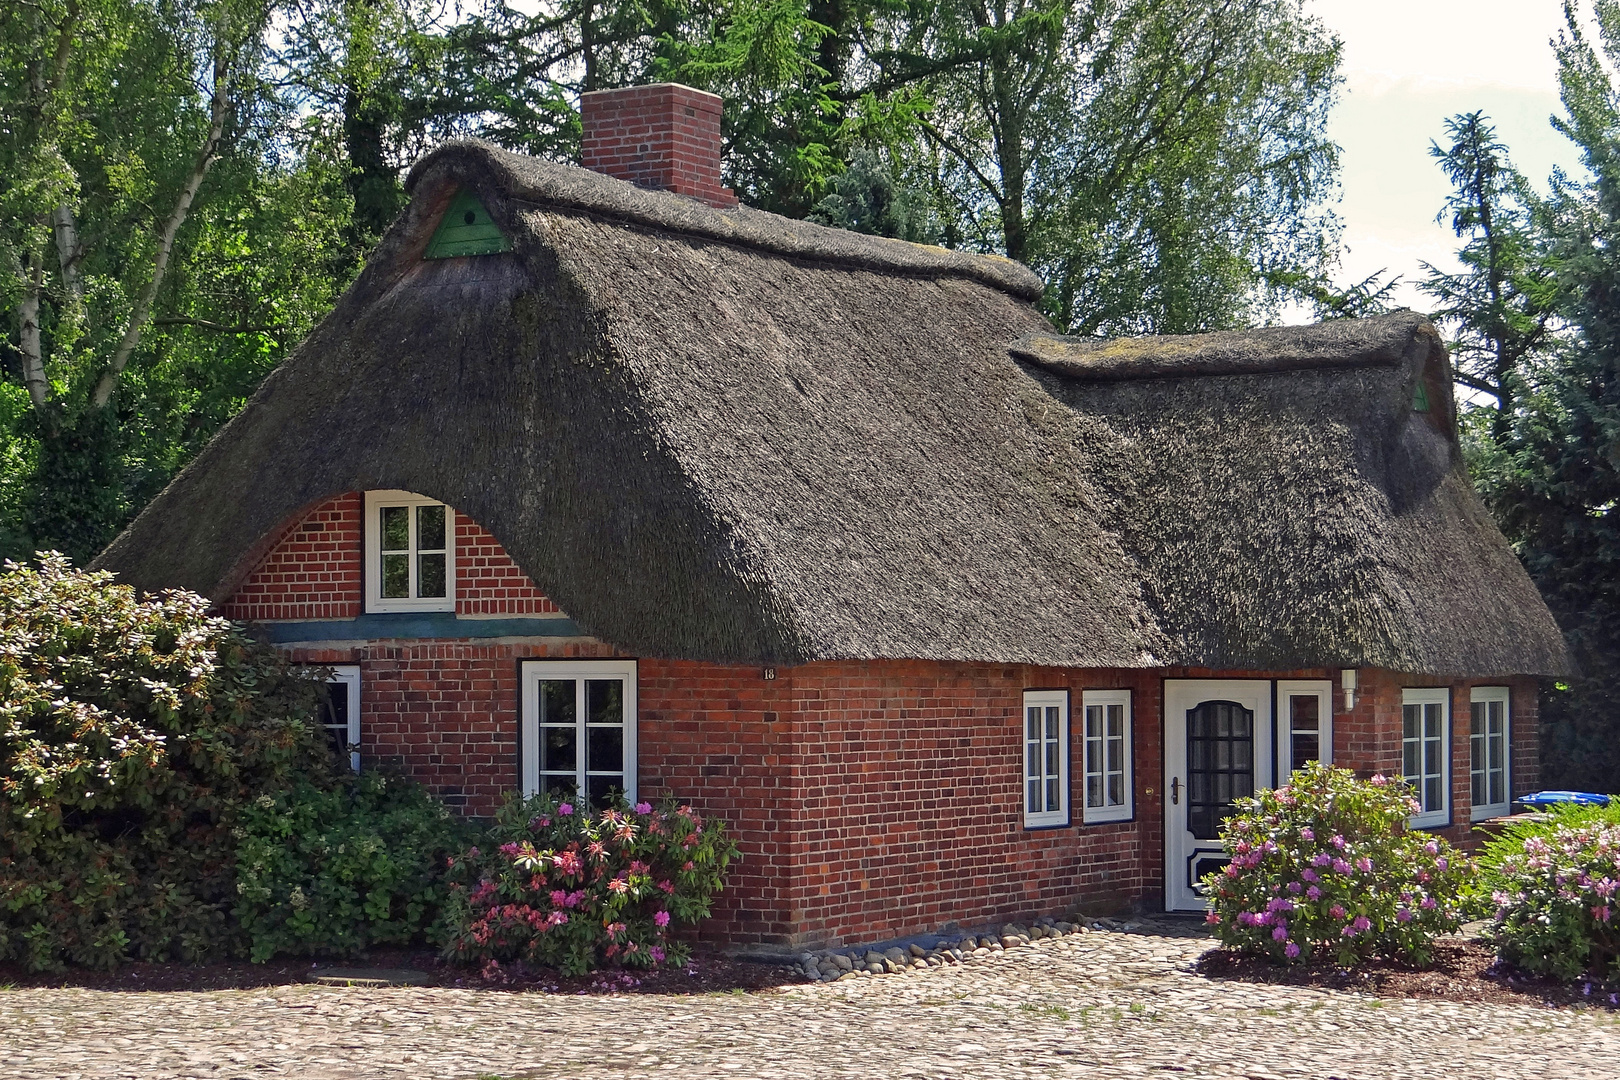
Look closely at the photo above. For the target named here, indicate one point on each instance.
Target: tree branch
(220, 110)
(206, 324)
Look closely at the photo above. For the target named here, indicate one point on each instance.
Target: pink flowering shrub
(1325, 867)
(1556, 889)
(564, 888)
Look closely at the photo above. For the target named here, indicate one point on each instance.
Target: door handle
(1175, 790)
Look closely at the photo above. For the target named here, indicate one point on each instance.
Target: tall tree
(1500, 310)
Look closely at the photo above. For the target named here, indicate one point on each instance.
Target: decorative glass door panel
(1220, 763)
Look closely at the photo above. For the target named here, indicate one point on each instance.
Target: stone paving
(1108, 1004)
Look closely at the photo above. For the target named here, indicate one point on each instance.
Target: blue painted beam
(416, 624)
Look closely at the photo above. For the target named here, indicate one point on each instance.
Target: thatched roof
(726, 435)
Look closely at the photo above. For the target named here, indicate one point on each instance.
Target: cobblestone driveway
(1097, 1005)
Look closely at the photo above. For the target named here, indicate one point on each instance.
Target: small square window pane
(601, 789)
(606, 749)
(560, 749)
(557, 701)
(429, 574)
(430, 528)
(604, 701)
(1307, 747)
(561, 785)
(396, 576)
(396, 528)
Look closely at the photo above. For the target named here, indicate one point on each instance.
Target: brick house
(590, 484)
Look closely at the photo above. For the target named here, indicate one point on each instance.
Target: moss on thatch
(724, 435)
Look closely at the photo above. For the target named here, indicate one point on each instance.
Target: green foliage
(1325, 866)
(1554, 883)
(331, 871)
(566, 889)
(134, 732)
(868, 198)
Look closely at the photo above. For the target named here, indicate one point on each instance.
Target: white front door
(1217, 747)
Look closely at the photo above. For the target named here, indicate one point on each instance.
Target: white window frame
(375, 601)
(1287, 690)
(1487, 696)
(1429, 817)
(1122, 811)
(1043, 700)
(349, 676)
(536, 671)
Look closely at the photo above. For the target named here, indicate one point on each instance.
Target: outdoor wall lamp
(1347, 679)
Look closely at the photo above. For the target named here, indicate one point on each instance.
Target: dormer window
(410, 553)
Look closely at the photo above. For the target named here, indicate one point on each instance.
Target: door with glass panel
(578, 730)
(1217, 749)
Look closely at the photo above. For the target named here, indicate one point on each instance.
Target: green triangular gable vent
(466, 229)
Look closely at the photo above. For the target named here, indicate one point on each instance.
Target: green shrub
(1556, 886)
(1326, 866)
(564, 889)
(333, 871)
(132, 730)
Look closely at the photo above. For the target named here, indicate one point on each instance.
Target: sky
(1408, 65)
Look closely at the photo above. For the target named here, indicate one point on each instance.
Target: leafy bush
(333, 871)
(1554, 882)
(1326, 866)
(132, 730)
(563, 889)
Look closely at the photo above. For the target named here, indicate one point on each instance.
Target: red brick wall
(314, 572)
(488, 582)
(664, 136)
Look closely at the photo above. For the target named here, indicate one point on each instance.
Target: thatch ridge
(551, 185)
(1380, 341)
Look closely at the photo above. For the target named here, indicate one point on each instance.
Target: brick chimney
(665, 136)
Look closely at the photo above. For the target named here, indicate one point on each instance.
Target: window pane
(1035, 796)
(1094, 721)
(601, 787)
(1034, 759)
(1116, 789)
(1431, 794)
(1303, 711)
(560, 748)
(335, 709)
(557, 701)
(1094, 756)
(1307, 747)
(396, 528)
(1032, 726)
(606, 749)
(1476, 718)
(1054, 722)
(1409, 720)
(396, 575)
(1116, 755)
(1094, 790)
(1052, 759)
(1431, 721)
(562, 786)
(429, 574)
(1499, 786)
(1116, 721)
(1053, 804)
(430, 528)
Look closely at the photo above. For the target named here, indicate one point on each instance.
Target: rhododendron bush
(1326, 866)
(1556, 887)
(562, 887)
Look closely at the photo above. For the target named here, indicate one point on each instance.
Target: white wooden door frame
(1180, 847)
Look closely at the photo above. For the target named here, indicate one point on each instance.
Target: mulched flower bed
(706, 973)
(1460, 971)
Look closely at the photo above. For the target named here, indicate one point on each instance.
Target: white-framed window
(1107, 756)
(579, 728)
(1046, 758)
(1425, 753)
(340, 712)
(410, 553)
(1489, 752)
(1305, 719)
